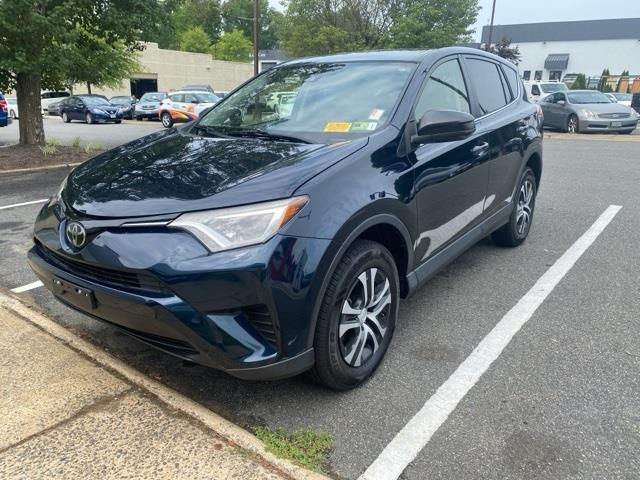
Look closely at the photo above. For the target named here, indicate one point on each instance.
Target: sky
(532, 11)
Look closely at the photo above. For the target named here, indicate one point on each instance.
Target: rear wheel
(118, 121)
(516, 231)
(12, 114)
(357, 317)
(65, 117)
(573, 126)
(88, 118)
(166, 119)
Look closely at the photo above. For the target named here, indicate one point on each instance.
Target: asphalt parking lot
(561, 401)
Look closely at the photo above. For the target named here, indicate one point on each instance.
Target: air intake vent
(260, 319)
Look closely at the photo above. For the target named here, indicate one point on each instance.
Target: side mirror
(195, 101)
(561, 102)
(437, 126)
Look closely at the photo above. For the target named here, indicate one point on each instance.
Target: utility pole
(255, 37)
(493, 13)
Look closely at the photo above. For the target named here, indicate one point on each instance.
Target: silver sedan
(587, 111)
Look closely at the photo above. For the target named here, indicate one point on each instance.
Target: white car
(539, 89)
(12, 104)
(48, 97)
(623, 98)
(184, 106)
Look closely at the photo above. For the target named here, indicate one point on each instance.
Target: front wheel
(65, 117)
(88, 118)
(573, 125)
(167, 121)
(357, 316)
(516, 231)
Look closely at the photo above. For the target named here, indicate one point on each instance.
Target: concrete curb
(232, 433)
(38, 169)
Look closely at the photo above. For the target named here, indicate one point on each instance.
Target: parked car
(126, 104)
(54, 108)
(586, 111)
(149, 105)
(198, 88)
(266, 247)
(635, 102)
(538, 89)
(5, 119)
(221, 93)
(622, 98)
(610, 96)
(48, 97)
(12, 105)
(180, 107)
(90, 108)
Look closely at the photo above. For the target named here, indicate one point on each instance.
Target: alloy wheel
(572, 126)
(166, 120)
(524, 209)
(363, 318)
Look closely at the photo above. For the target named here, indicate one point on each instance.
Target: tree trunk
(28, 94)
(88, 88)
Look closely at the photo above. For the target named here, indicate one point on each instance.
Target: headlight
(236, 227)
(588, 114)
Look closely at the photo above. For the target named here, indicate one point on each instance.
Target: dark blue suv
(270, 238)
(4, 112)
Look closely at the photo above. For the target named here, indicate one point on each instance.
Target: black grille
(177, 347)
(614, 115)
(105, 276)
(260, 319)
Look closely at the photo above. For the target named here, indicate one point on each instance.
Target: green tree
(238, 15)
(580, 83)
(199, 13)
(320, 26)
(623, 75)
(195, 39)
(233, 47)
(504, 49)
(38, 41)
(604, 78)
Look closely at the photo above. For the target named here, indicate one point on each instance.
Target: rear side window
(489, 85)
(512, 78)
(444, 90)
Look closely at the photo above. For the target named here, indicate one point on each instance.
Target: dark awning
(557, 61)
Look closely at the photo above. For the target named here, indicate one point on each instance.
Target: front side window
(535, 90)
(489, 85)
(444, 90)
(324, 101)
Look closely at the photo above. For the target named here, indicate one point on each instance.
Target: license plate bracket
(75, 294)
(616, 124)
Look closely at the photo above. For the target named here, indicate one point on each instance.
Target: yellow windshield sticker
(364, 126)
(337, 127)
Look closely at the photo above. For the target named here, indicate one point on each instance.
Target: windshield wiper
(210, 131)
(264, 135)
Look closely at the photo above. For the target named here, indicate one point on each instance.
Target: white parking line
(415, 435)
(26, 288)
(33, 202)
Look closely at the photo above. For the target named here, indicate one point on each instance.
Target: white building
(552, 50)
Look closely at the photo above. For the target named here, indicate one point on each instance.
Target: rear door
(451, 177)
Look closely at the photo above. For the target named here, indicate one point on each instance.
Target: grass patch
(93, 147)
(76, 142)
(48, 149)
(53, 142)
(304, 447)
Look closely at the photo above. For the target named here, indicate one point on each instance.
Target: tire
(167, 121)
(344, 362)
(89, 118)
(139, 119)
(117, 121)
(65, 117)
(12, 114)
(517, 229)
(573, 124)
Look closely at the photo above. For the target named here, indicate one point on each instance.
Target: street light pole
(493, 13)
(255, 37)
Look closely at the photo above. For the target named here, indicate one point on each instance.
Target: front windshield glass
(587, 97)
(152, 97)
(120, 100)
(95, 101)
(206, 97)
(314, 101)
(553, 87)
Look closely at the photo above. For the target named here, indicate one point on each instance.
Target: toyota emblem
(76, 234)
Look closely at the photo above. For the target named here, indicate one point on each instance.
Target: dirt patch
(30, 156)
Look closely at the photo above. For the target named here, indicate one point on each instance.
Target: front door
(451, 177)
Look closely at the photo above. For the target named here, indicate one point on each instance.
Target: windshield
(120, 100)
(587, 97)
(205, 97)
(152, 97)
(321, 102)
(623, 97)
(553, 87)
(95, 101)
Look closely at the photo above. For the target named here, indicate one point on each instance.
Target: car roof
(415, 56)
(191, 91)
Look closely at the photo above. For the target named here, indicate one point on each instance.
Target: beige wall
(174, 69)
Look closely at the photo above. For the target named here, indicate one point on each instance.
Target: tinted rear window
(512, 78)
(486, 77)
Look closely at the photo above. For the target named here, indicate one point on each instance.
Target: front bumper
(606, 125)
(247, 312)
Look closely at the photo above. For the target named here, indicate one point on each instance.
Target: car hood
(173, 171)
